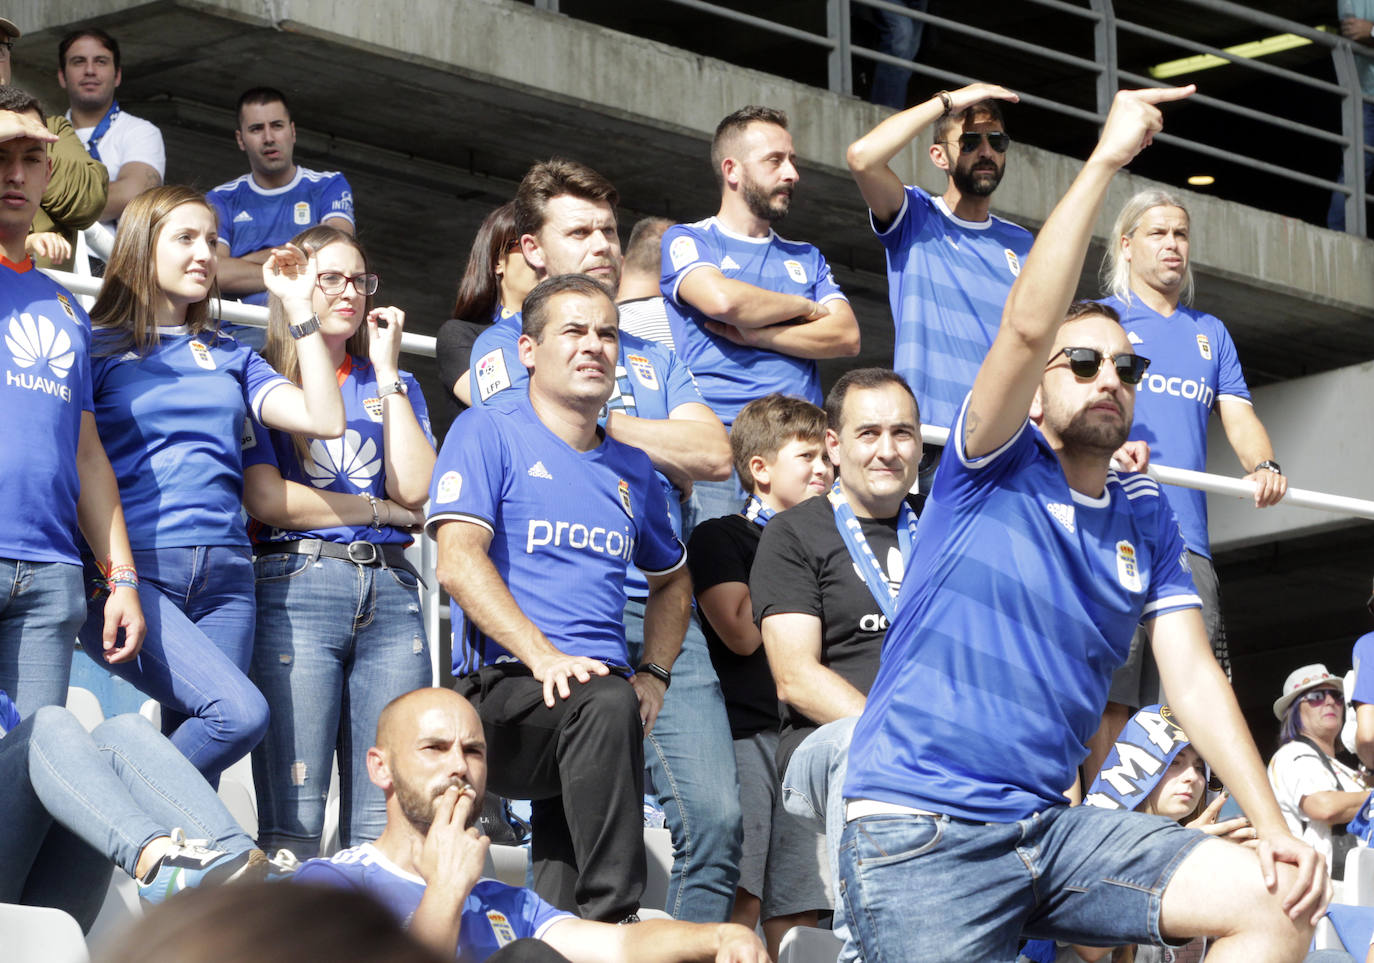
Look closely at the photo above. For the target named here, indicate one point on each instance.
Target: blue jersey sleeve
(336, 200)
(258, 447)
(1362, 658)
(907, 223)
(495, 363)
(965, 479)
(1171, 586)
(825, 287)
(680, 386)
(657, 551)
(225, 222)
(1230, 377)
(684, 250)
(259, 378)
(470, 472)
(418, 404)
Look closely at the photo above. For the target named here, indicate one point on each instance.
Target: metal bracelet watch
(299, 331)
(658, 672)
(1269, 465)
(397, 387)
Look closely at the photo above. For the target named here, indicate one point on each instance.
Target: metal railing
(1105, 74)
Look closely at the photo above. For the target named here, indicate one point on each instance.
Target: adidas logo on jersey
(1134, 338)
(537, 470)
(1063, 514)
(242, 217)
(729, 264)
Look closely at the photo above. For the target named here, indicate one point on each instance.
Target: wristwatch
(299, 331)
(397, 387)
(1270, 465)
(658, 672)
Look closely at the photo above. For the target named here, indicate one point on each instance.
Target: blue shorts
(934, 888)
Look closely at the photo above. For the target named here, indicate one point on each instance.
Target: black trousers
(581, 764)
(527, 951)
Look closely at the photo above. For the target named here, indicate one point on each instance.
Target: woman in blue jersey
(340, 632)
(493, 287)
(172, 403)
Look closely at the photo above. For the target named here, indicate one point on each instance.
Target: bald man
(430, 761)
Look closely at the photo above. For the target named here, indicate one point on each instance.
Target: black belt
(359, 553)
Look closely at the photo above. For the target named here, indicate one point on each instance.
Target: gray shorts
(783, 860)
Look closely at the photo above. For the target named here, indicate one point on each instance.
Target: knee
(55, 722)
(243, 716)
(123, 729)
(606, 698)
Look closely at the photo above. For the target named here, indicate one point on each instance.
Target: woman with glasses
(493, 287)
(1317, 793)
(339, 628)
(173, 399)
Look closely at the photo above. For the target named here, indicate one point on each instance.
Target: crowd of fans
(675, 565)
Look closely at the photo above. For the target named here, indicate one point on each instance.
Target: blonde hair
(1116, 270)
(125, 302)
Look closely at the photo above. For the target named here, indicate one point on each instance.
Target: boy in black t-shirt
(778, 446)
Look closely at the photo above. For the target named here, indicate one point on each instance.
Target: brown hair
(643, 251)
(479, 292)
(862, 378)
(766, 424)
(985, 109)
(735, 124)
(554, 178)
(125, 303)
(538, 304)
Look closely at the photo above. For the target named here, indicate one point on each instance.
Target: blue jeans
(1335, 215)
(899, 36)
(712, 499)
(75, 803)
(813, 788)
(198, 603)
(40, 611)
(336, 642)
(933, 888)
(691, 761)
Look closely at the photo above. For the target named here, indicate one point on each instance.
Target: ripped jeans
(336, 642)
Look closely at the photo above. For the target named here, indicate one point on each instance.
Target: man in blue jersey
(56, 475)
(566, 215)
(950, 262)
(539, 515)
(1036, 560)
(751, 311)
(275, 200)
(431, 761)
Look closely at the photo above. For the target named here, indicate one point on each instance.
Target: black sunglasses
(1085, 363)
(997, 140)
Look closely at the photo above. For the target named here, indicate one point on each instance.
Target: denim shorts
(934, 888)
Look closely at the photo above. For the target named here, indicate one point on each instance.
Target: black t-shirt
(453, 352)
(802, 566)
(722, 550)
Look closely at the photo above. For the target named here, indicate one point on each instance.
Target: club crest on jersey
(643, 370)
(682, 252)
(301, 213)
(1204, 347)
(795, 271)
(1013, 262)
(373, 407)
(66, 306)
(449, 488)
(625, 498)
(1127, 568)
(202, 356)
(500, 927)
(491, 374)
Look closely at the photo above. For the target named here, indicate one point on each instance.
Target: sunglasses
(1317, 697)
(1085, 363)
(997, 140)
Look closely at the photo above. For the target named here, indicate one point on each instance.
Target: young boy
(778, 447)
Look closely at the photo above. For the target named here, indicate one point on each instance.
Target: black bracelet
(658, 672)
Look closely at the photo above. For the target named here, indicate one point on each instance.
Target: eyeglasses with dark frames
(1085, 363)
(333, 283)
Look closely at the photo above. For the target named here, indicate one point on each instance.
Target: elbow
(449, 574)
(717, 465)
(857, 157)
(715, 303)
(333, 426)
(850, 344)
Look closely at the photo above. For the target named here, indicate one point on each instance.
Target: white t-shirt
(1297, 771)
(129, 138)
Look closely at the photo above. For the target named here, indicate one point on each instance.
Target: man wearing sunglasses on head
(1035, 562)
(950, 263)
(1149, 282)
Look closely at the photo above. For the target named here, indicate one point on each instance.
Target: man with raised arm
(539, 514)
(751, 311)
(950, 262)
(431, 761)
(1035, 562)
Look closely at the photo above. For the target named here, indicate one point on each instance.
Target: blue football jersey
(562, 521)
(1192, 363)
(947, 282)
(731, 375)
(174, 423)
(1362, 659)
(252, 217)
(494, 914)
(47, 386)
(1020, 601)
(353, 464)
